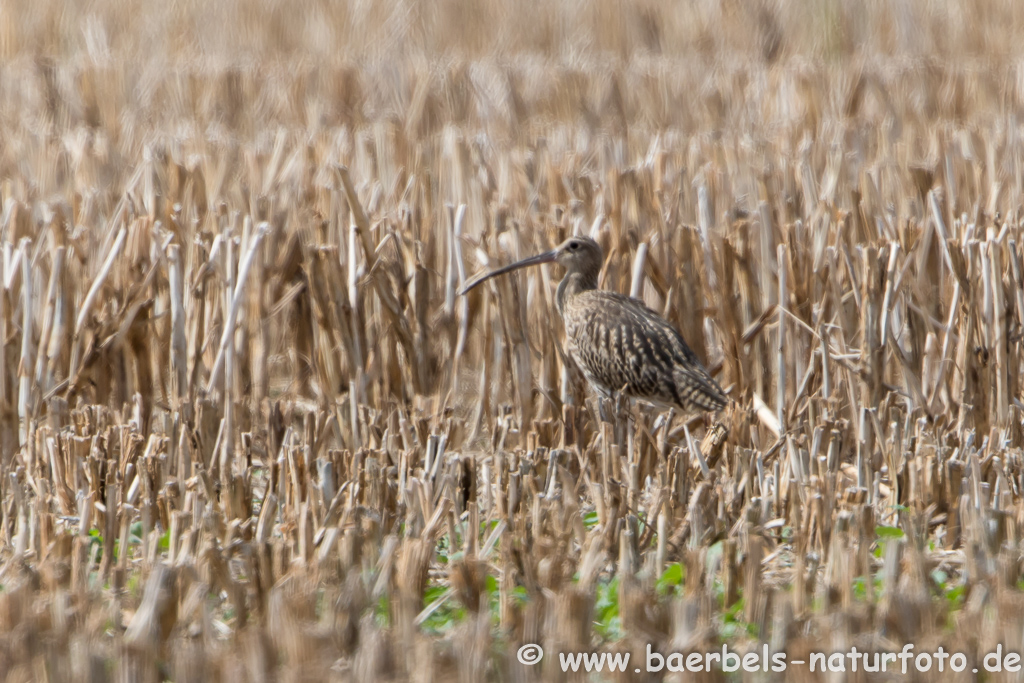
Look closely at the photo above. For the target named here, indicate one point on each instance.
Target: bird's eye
(573, 246)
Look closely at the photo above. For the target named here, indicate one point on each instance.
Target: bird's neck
(571, 285)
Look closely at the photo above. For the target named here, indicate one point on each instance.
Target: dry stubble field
(248, 431)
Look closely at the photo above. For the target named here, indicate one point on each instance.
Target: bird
(622, 346)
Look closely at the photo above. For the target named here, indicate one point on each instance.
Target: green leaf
(432, 594)
(732, 614)
(382, 611)
(446, 616)
(164, 544)
(607, 622)
(606, 610)
(520, 595)
(713, 555)
(610, 630)
(888, 532)
(670, 578)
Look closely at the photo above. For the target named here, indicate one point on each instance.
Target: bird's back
(622, 345)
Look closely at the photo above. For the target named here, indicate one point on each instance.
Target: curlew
(622, 347)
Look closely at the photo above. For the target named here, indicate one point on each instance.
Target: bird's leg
(621, 419)
(666, 430)
(602, 408)
(608, 410)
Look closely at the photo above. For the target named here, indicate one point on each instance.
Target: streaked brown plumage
(619, 343)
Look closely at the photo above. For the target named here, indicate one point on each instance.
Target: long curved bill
(546, 257)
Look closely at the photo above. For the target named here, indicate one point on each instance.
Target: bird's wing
(623, 344)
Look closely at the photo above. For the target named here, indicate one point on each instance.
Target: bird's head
(576, 254)
(579, 255)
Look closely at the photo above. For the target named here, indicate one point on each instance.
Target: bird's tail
(697, 389)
